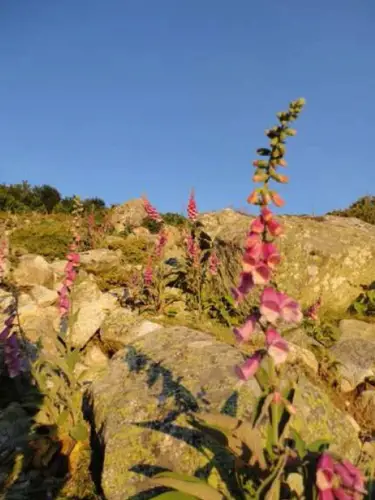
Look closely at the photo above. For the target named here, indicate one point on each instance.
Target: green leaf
(174, 495)
(188, 484)
(263, 151)
(299, 443)
(319, 445)
(72, 359)
(63, 417)
(79, 432)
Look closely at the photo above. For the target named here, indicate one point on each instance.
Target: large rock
(34, 270)
(90, 307)
(355, 352)
(327, 256)
(117, 327)
(139, 408)
(130, 214)
(40, 324)
(100, 260)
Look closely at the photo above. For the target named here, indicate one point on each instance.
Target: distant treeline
(21, 198)
(363, 208)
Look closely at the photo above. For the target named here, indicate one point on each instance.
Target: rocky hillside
(145, 364)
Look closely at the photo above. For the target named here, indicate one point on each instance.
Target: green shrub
(47, 237)
(364, 304)
(135, 249)
(174, 219)
(152, 225)
(363, 209)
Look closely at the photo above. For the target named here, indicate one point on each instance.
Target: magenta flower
(274, 227)
(252, 239)
(73, 258)
(275, 305)
(266, 214)
(244, 332)
(148, 274)
(257, 226)
(312, 311)
(261, 274)
(335, 480)
(192, 249)
(161, 242)
(277, 347)
(271, 255)
(13, 356)
(351, 478)
(151, 211)
(213, 263)
(252, 255)
(250, 367)
(3, 254)
(246, 284)
(64, 302)
(192, 210)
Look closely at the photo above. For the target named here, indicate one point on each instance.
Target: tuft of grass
(46, 236)
(135, 249)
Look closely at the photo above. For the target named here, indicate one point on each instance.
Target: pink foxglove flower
(267, 214)
(244, 332)
(151, 211)
(192, 210)
(276, 199)
(13, 356)
(246, 284)
(275, 305)
(148, 274)
(271, 255)
(277, 347)
(338, 480)
(161, 242)
(3, 254)
(261, 274)
(213, 263)
(274, 227)
(312, 311)
(257, 226)
(250, 367)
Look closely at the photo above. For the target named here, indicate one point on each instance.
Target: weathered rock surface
(130, 214)
(91, 308)
(328, 257)
(34, 270)
(140, 403)
(100, 260)
(355, 351)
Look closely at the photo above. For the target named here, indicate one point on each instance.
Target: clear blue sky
(114, 98)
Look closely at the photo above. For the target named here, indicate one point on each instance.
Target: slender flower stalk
(72, 265)
(213, 263)
(261, 256)
(192, 209)
(13, 356)
(3, 254)
(151, 211)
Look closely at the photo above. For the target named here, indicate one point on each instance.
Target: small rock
(297, 353)
(366, 402)
(43, 296)
(95, 357)
(357, 361)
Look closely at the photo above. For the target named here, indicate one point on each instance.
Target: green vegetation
(23, 198)
(364, 304)
(48, 237)
(363, 209)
